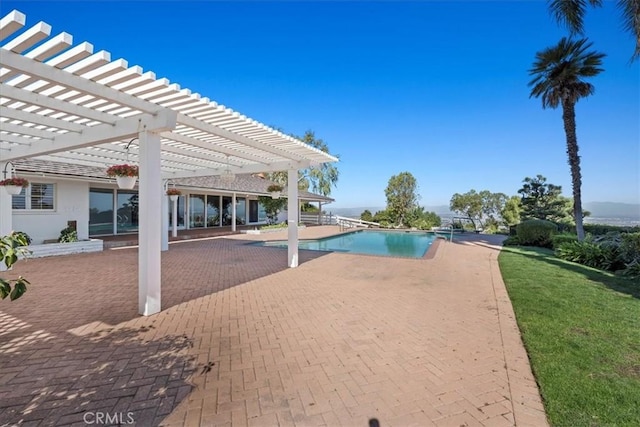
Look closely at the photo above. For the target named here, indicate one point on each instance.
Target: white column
(165, 217)
(292, 216)
(174, 218)
(233, 212)
(6, 218)
(319, 213)
(150, 224)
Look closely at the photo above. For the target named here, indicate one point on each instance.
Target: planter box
(53, 249)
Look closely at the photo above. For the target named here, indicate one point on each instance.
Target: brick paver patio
(243, 340)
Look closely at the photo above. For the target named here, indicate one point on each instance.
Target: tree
(320, 179)
(479, 207)
(383, 218)
(468, 204)
(401, 196)
(272, 207)
(510, 213)
(422, 220)
(492, 205)
(558, 79)
(570, 13)
(366, 215)
(540, 199)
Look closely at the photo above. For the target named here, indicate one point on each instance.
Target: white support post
(165, 217)
(150, 228)
(6, 219)
(320, 213)
(233, 212)
(174, 218)
(292, 216)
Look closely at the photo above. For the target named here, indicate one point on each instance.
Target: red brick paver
(243, 340)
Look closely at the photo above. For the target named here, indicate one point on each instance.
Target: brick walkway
(243, 340)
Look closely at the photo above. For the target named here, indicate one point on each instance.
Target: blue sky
(438, 89)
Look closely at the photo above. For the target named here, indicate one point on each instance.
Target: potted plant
(173, 193)
(275, 190)
(126, 175)
(14, 185)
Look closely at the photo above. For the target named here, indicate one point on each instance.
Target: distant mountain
(612, 209)
(599, 211)
(353, 212)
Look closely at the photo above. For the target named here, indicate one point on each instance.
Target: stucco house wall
(71, 203)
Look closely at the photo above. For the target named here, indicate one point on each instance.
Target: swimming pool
(382, 243)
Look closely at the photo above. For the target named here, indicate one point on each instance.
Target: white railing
(345, 222)
(446, 227)
(314, 218)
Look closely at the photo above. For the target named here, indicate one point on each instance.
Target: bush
(600, 229)
(68, 235)
(22, 237)
(511, 241)
(632, 270)
(630, 254)
(536, 232)
(596, 255)
(629, 246)
(586, 253)
(559, 239)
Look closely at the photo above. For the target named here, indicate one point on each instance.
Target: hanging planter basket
(126, 182)
(126, 175)
(275, 191)
(173, 193)
(14, 186)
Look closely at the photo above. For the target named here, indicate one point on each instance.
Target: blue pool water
(384, 243)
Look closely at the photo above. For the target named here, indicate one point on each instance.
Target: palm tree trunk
(569, 118)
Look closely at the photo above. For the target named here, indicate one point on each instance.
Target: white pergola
(63, 102)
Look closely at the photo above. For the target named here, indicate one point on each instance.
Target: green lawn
(581, 328)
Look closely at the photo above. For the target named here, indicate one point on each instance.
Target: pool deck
(243, 340)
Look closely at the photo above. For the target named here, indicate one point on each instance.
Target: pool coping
(430, 253)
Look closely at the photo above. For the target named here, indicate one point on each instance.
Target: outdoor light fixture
(228, 176)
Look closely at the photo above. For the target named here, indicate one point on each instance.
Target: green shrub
(536, 232)
(589, 254)
(630, 246)
(511, 241)
(599, 229)
(630, 254)
(632, 269)
(68, 235)
(22, 237)
(11, 247)
(559, 239)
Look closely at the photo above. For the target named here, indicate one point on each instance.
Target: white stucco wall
(71, 202)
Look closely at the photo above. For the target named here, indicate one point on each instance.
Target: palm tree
(570, 13)
(558, 78)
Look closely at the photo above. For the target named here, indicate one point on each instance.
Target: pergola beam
(123, 128)
(26, 117)
(272, 167)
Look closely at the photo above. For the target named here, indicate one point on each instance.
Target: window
(35, 197)
(100, 211)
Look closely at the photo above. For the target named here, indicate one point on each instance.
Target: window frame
(27, 193)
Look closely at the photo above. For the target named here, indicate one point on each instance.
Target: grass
(581, 328)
